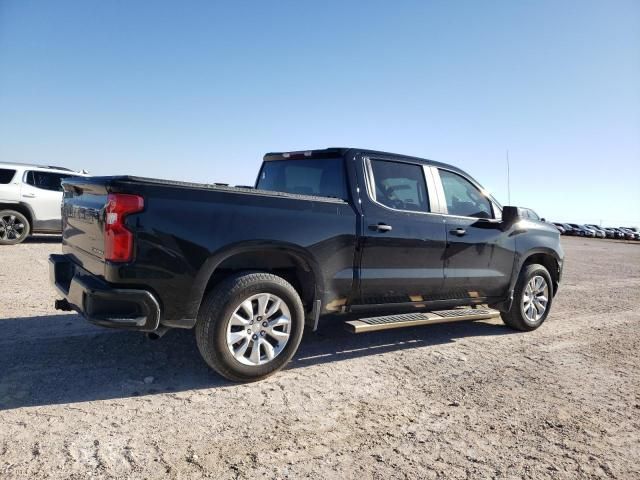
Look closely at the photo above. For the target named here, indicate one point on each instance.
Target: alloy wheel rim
(259, 329)
(11, 228)
(535, 298)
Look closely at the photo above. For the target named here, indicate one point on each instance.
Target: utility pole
(508, 180)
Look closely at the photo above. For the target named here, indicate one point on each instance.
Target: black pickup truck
(333, 231)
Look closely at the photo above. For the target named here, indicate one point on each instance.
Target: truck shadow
(55, 359)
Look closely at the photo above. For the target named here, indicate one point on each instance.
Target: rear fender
(301, 256)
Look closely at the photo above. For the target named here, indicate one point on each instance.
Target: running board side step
(423, 318)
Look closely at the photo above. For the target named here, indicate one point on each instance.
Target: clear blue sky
(200, 90)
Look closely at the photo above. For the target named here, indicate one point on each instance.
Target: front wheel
(531, 300)
(250, 326)
(14, 227)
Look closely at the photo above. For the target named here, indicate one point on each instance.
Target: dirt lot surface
(460, 400)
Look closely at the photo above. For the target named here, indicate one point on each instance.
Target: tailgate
(83, 221)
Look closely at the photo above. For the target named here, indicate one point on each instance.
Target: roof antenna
(508, 180)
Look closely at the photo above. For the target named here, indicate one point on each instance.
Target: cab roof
(334, 152)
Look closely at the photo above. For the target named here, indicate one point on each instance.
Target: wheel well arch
(548, 261)
(21, 208)
(288, 264)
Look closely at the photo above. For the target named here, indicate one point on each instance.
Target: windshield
(320, 177)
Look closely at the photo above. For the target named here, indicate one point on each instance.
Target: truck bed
(184, 227)
(130, 180)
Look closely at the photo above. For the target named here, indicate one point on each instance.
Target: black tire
(215, 314)
(8, 231)
(515, 317)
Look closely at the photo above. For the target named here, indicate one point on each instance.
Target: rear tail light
(118, 240)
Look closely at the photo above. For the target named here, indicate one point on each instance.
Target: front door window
(463, 198)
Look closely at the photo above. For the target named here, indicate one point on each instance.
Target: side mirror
(543, 219)
(510, 215)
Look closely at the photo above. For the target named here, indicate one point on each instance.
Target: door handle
(458, 232)
(381, 227)
(28, 195)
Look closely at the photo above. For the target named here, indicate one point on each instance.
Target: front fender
(537, 241)
(532, 238)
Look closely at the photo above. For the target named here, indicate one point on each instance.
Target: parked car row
(588, 230)
(595, 231)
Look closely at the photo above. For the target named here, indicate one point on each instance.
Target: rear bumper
(99, 302)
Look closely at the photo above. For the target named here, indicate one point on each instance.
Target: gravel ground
(459, 400)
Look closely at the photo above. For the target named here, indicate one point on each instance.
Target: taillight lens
(118, 241)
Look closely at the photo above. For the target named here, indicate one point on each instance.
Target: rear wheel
(250, 326)
(531, 300)
(14, 227)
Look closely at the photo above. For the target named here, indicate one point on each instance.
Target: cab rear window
(321, 177)
(6, 176)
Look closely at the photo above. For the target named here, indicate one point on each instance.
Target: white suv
(30, 200)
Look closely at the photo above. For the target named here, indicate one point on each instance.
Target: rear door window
(322, 177)
(400, 186)
(46, 180)
(6, 176)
